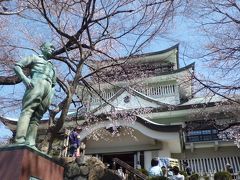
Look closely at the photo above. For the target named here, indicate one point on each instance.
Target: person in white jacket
(155, 170)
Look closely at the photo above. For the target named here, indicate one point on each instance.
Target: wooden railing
(130, 168)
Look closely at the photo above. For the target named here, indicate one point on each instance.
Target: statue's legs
(22, 126)
(33, 125)
(32, 132)
(37, 116)
(31, 100)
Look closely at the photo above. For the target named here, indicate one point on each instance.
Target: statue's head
(47, 49)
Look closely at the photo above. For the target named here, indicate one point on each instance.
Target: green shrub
(158, 178)
(194, 177)
(222, 176)
(183, 173)
(206, 178)
(144, 171)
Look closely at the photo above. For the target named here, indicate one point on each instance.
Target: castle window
(106, 95)
(202, 135)
(162, 90)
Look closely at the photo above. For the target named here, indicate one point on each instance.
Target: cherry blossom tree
(81, 31)
(219, 24)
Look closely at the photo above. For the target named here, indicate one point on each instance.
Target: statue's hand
(27, 82)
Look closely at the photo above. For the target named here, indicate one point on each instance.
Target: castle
(147, 109)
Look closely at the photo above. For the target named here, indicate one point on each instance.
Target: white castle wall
(148, 155)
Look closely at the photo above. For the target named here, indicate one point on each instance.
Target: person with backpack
(74, 141)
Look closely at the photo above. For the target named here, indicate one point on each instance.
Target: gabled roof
(12, 123)
(204, 100)
(162, 55)
(148, 120)
(173, 73)
(169, 55)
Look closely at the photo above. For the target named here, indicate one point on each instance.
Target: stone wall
(86, 168)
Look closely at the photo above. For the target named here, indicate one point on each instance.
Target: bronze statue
(38, 94)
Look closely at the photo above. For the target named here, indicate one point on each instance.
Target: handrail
(130, 168)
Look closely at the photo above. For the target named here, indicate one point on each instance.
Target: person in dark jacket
(229, 168)
(187, 168)
(74, 141)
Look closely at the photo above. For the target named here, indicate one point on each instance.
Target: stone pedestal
(25, 163)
